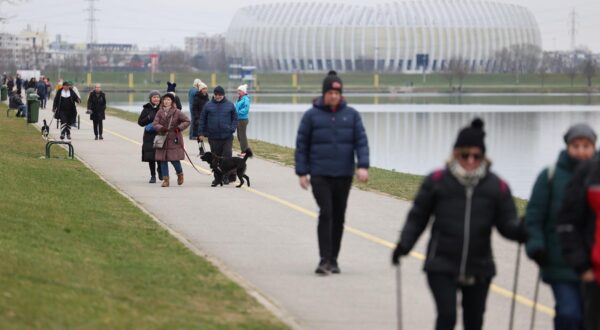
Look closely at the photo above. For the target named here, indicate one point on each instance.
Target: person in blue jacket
(242, 106)
(218, 122)
(330, 136)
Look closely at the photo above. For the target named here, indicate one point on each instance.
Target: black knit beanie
(219, 90)
(332, 82)
(471, 136)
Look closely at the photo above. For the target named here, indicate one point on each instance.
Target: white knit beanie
(243, 88)
(197, 82)
(202, 85)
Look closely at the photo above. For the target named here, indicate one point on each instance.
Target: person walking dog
(169, 122)
(330, 135)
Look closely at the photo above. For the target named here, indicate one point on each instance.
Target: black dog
(45, 129)
(223, 166)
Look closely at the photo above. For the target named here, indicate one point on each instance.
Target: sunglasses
(467, 155)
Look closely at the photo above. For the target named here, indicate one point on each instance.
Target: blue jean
(569, 305)
(164, 167)
(22, 111)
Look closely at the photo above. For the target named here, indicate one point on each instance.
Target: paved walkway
(267, 236)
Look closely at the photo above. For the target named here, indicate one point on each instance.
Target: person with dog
(199, 101)
(96, 106)
(544, 245)
(146, 120)
(170, 122)
(65, 108)
(467, 200)
(242, 106)
(330, 135)
(579, 231)
(218, 122)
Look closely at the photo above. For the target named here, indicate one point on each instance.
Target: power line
(92, 21)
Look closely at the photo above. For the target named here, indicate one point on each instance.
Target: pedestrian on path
(65, 108)
(146, 120)
(96, 106)
(19, 83)
(543, 245)
(191, 92)
(48, 88)
(171, 89)
(10, 84)
(199, 101)
(466, 199)
(218, 122)
(41, 92)
(330, 135)
(242, 106)
(579, 231)
(170, 121)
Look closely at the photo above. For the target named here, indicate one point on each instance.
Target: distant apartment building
(23, 50)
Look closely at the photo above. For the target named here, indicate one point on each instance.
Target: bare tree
(572, 72)
(174, 60)
(589, 69)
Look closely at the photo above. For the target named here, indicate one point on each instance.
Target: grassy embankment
(353, 82)
(397, 184)
(76, 254)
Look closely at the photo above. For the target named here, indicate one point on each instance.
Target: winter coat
(10, 85)
(177, 102)
(191, 94)
(147, 117)
(41, 89)
(242, 106)
(542, 213)
(15, 101)
(19, 83)
(579, 220)
(97, 104)
(218, 120)
(199, 101)
(328, 140)
(171, 150)
(65, 109)
(460, 243)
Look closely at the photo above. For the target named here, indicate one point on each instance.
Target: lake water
(418, 138)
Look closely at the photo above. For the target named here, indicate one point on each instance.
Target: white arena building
(398, 36)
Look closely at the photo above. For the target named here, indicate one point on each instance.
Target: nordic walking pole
(535, 299)
(399, 296)
(514, 292)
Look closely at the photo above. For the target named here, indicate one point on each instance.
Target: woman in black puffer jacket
(148, 151)
(467, 200)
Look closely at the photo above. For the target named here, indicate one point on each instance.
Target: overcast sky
(166, 23)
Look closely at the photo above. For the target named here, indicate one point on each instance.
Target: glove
(176, 130)
(399, 252)
(540, 257)
(164, 130)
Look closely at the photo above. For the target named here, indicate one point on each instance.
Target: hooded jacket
(218, 120)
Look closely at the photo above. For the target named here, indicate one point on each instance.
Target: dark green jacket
(541, 218)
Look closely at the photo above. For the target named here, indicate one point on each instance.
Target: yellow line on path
(357, 232)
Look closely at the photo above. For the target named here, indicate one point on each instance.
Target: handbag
(159, 140)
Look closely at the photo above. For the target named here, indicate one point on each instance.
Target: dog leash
(191, 162)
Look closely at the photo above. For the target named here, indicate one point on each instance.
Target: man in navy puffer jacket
(329, 137)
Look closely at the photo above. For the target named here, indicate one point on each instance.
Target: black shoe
(160, 177)
(334, 268)
(96, 138)
(68, 136)
(323, 268)
(152, 180)
(62, 136)
(101, 138)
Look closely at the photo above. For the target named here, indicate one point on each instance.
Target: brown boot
(180, 179)
(165, 181)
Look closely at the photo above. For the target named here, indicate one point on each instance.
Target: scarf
(65, 94)
(468, 178)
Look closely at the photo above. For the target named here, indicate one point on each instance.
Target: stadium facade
(399, 36)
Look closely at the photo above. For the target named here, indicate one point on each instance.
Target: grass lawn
(76, 254)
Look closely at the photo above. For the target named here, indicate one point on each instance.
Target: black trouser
(331, 194)
(591, 306)
(222, 148)
(444, 288)
(154, 166)
(97, 127)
